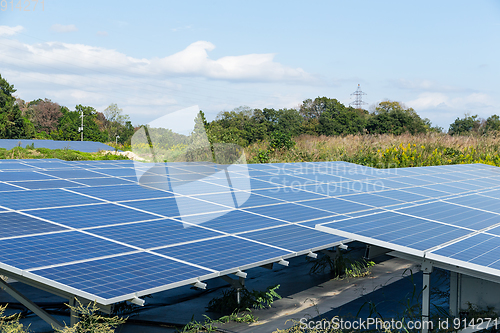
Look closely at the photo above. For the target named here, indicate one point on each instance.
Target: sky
(156, 57)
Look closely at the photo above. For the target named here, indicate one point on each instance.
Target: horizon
(437, 58)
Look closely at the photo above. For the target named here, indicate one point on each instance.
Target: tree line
(44, 119)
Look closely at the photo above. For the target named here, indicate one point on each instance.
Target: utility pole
(358, 102)
(80, 129)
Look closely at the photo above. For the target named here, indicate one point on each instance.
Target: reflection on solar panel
(93, 230)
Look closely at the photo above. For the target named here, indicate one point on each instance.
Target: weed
(248, 299)
(91, 320)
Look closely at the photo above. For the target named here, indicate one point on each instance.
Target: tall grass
(384, 151)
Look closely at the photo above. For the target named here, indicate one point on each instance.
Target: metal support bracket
(235, 284)
(30, 305)
(426, 294)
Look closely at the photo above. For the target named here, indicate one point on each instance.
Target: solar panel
(226, 253)
(14, 224)
(114, 230)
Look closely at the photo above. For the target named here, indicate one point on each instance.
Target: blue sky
(151, 58)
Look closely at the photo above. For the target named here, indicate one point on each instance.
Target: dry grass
(386, 150)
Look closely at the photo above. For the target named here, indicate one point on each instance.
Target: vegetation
(10, 324)
(211, 325)
(62, 154)
(248, 299)
(91, 320)
(383, 151)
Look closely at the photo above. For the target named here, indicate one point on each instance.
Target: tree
(465, 126)
(71, 121)
(336, 119)
(46, 115)
(12, 123)
(492, 124)
(115, 120)
(393, 117)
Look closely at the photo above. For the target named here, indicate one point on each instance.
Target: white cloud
(72, 74)
(192, 61)
(5, 30)
(63, 28)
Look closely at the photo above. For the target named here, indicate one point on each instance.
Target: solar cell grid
(52, 249)
(14, 224)
(164, 232)
(22, 200)
(92, 215)
(203, 208)
(226, 253)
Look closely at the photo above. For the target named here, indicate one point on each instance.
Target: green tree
(71, 121)
(465, 126)
(115, 122)
(393, 117)
(336, 119)
(492, 124)
(12, 123)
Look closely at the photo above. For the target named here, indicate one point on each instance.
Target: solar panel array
(458, 224)
(90, 229)
(84, 146)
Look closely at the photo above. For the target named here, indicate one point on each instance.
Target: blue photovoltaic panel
(480, 249)
(46, 184)
(22, 175)
(454, 215)
(288, 194)
(478, 201)
(227, 198)
(123, 275)
(92, 215)
(73, 174)
(7, 187)
(20, 200)
(37, 165)
(428, 192)
(122, 192)
(291, 212)
(13, 224)
(155, 233)
(335, 205)
(119, 172)
(234, 221)
(401, 195)
(103, 181)
(53, 249)
(226, 253)
(372, 200)
(15, 166)
(401, 230)
(291, 237)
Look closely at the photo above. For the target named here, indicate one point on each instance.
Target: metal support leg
(238, 285)
(74, 315)
(426, 294)
(30, 305)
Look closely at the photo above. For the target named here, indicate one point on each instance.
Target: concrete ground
(304, 296)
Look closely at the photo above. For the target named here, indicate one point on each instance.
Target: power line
(358, 102)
